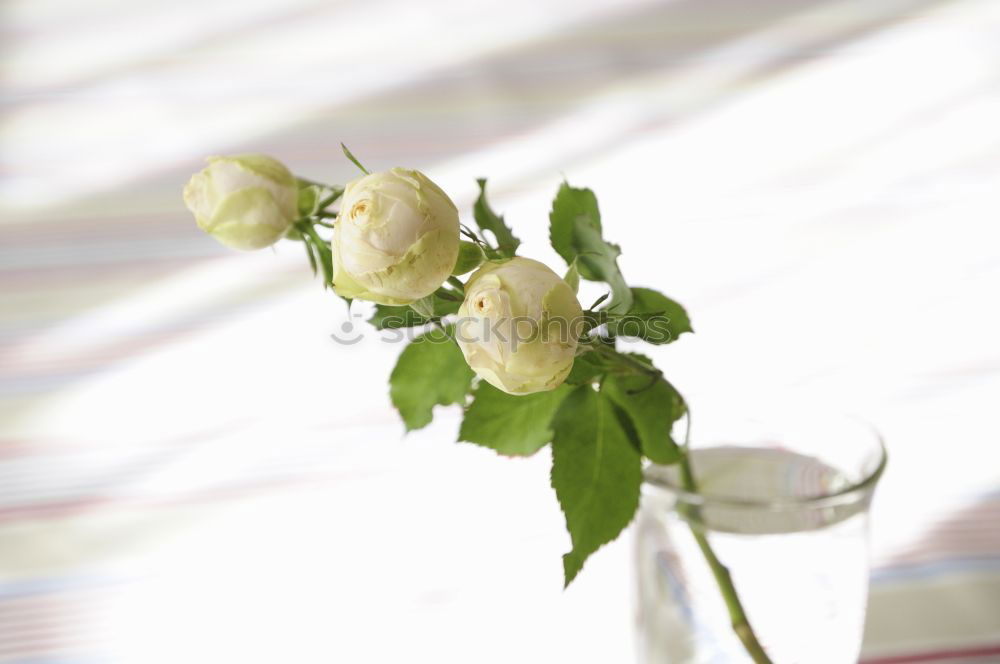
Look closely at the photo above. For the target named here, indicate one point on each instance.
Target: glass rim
(866, 483)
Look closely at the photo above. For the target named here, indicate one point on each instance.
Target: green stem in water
(723, 578)
(737, 615)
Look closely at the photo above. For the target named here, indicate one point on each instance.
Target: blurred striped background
(191, 470)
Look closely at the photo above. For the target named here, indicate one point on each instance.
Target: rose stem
(723, 578)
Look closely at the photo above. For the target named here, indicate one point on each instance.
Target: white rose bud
(396, 238)
(519, 325)
(246, 202)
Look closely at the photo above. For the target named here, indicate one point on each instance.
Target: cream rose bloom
(518, 326)
(244, 202)
(396, 238)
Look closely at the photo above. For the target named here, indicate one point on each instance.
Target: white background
(196, 473)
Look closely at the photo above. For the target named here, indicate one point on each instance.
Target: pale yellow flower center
(358, 209)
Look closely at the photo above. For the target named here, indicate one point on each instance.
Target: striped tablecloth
(192, 471)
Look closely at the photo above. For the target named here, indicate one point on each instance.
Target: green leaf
(430, 371)
(354, 160)
(569, 205)
(599, 262)
(314, 197)
(443, 302)
(586, 369)
(440, 303)
(311, 256)
(424, 307)
(511, 425)
(488, 220)
(309, 198)
(653, 406)
(391, 318)
(446, 302)
(632, 324)
(575, 233)
(320, 248)
(596, 473)
(573, 276)
(654, 318)
(470, 256)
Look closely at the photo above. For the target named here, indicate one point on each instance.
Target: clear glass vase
(782, 507)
